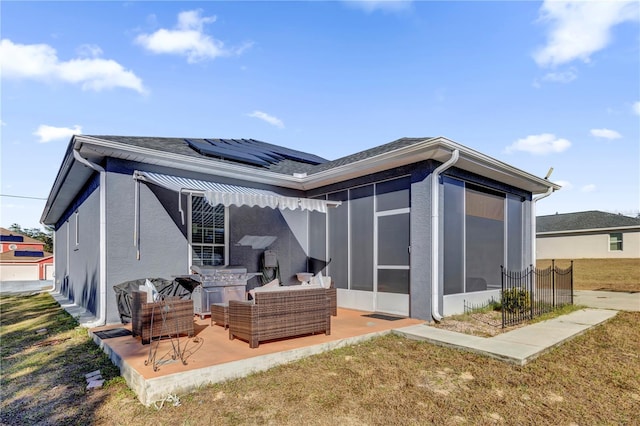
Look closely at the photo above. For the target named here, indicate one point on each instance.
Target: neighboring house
(413, 227)
(23, 258)
(591, 235)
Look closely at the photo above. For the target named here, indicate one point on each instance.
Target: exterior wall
(77, 265)
(61, 253)
(587, 246)
(163, 248)
(421, 237)
(16, 272)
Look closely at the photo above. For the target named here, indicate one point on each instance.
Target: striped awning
(221, 193)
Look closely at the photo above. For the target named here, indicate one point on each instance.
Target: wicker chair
(178, 317)
(280, 314)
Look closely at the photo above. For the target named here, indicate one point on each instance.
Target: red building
(23, 258)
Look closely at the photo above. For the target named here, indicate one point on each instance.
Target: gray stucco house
(587, 235)
(412, 227)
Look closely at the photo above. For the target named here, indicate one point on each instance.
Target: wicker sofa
(280, 314)
(147, 317)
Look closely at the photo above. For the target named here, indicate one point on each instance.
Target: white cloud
(89, 51)
(188, 39)
(40, 62)
(588, 188)
(561, 77)
(544, 143)
(580, 28)
(606, 134)
(636, 108)
(565, 184)
(268, 118)
(50, 133)
(370, 6)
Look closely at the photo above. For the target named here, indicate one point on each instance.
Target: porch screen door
(392, 262)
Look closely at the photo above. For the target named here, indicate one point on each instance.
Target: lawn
(594, 379)
(602, 274)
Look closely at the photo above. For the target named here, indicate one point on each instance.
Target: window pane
(514, 233)
(318, 234)
(393, 240)
(484, 223)
(615, 241)
(339, 240)
(393, 281)
(453, 222)
(207, 232)
(361, 229)
(393, 194)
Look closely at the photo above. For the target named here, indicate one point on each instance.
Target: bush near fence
(535, 291)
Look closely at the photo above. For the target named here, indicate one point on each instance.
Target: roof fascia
(440, 149)
(590, 230)
(102, 148)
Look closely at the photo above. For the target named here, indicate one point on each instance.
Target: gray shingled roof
(288, 167)
(593, 219)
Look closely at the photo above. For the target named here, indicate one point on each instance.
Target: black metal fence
(534, 291)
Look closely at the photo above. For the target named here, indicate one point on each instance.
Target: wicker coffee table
(220, 314)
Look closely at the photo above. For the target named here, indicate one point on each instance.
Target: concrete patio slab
(210, 357)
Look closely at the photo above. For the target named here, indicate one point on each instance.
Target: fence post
(531, 284)
(501, 293)
(571, 282)
(553, 283)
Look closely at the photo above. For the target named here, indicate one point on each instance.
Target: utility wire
(22, 196)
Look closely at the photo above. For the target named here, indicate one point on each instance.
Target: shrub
(515, 300)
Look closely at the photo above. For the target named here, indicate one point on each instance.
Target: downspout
(533, 222)
(435, 234)
(102, 281)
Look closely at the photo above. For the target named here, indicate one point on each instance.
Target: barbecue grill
(216, 284)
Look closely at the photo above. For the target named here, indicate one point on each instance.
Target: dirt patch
(481, 324)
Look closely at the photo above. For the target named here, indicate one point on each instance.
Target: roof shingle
(592, 219)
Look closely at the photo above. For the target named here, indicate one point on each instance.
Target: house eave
(74, 174)
(439, 149)
(589, 231)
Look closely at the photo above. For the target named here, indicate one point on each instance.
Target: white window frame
(190, 243)
(618, 242)
(77, 228)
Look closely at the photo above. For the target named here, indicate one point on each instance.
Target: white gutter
(533, 222)
(102, 280)
(435, 234)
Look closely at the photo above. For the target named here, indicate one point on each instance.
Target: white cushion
(274, 284)
(152, 292)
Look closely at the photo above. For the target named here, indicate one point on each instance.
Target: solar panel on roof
(250, 151)
(236, 144)
(206, 148)
(12, 238)
(288, 153)
(28, 253)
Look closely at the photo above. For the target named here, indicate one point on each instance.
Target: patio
(211, 357)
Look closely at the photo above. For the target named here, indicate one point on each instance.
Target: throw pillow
(152, 292)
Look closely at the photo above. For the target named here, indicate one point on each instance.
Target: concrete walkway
(619, 300)
(19, 287)
(518, 346)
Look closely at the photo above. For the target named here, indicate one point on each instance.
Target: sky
(538, 85)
